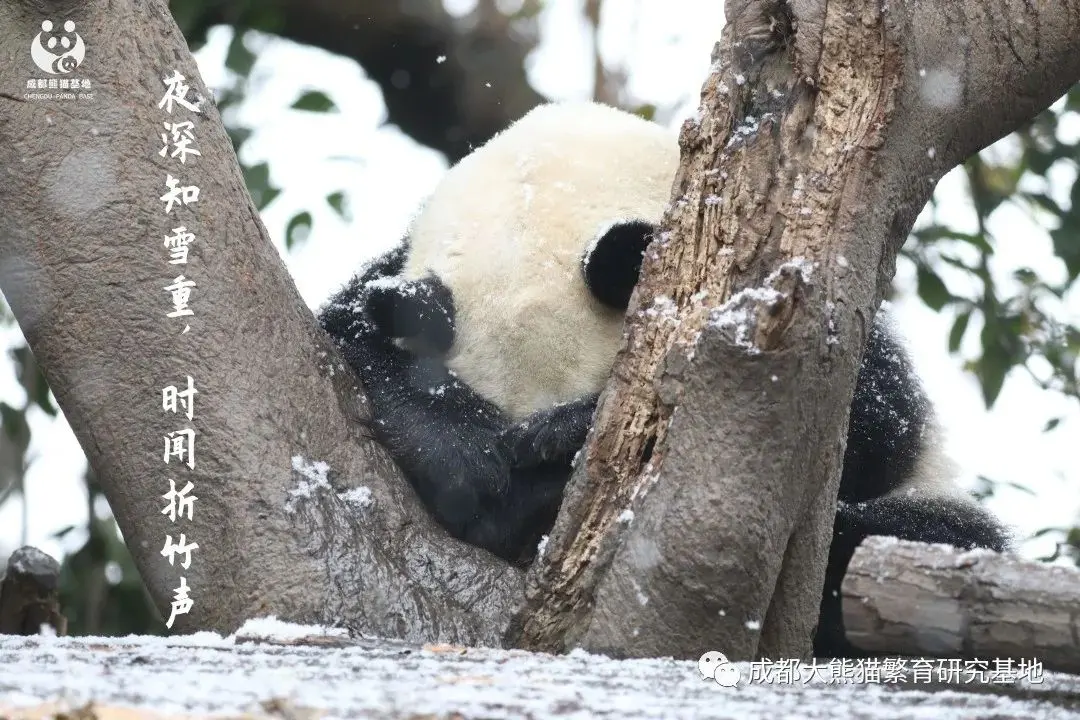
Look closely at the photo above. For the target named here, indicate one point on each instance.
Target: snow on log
(906, 598)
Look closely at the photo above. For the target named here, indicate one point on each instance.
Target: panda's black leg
(550, 437)
(923, 518)
(891, 417)
(513, 527)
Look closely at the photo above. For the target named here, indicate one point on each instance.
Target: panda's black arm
(440, 432)
(421, 309)
(437, 429)
(342, 314)
(919, 517)
(442, 435)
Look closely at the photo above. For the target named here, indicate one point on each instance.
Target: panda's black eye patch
(611, 266)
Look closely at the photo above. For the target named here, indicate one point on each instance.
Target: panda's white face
(506, 231)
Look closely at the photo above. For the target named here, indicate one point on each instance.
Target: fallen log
(906, 598)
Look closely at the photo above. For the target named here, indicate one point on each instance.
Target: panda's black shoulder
(891, 423)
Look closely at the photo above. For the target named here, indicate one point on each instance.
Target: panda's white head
(567, 191)
(508, 231)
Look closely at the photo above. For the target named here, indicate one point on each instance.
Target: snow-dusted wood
(196, 676)
(904, 598)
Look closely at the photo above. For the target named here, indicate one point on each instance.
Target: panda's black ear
(611, 266)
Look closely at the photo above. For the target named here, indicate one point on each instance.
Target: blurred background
(345, 114)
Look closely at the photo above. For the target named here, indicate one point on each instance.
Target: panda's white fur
(506, 230)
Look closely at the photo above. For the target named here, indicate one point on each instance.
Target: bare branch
(450, 83)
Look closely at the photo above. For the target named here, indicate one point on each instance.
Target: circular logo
(57, 51)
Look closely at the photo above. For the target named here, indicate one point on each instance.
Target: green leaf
(314, 101)
(239, 136)
(1045, 202)
(1038, 161)
(1073, 99)
(1051, 424)
(13, 421)
(298, 229)
(646, 111)
(337, 201)
(931, 289)
(958, 329)
(1067, 247)
(257, 179)
(43, 397)
(1025, 276)
(1001, 349)
(238, 58)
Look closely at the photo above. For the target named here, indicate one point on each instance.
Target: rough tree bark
(821, 134)
(831, 159)
(83, 268)
(453, 105)
(909, 599)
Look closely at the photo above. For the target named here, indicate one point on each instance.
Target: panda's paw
(539, 440)
(417, 309)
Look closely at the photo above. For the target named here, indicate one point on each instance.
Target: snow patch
(359, 496)
(315, 475)
(541, 547)
(270, 628)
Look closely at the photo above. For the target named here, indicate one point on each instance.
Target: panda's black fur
(497, 482)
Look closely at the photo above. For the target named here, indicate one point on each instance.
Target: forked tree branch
(821, 134)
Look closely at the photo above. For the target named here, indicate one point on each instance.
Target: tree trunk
(83, 266)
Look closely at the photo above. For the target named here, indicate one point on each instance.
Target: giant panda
(484, 340)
